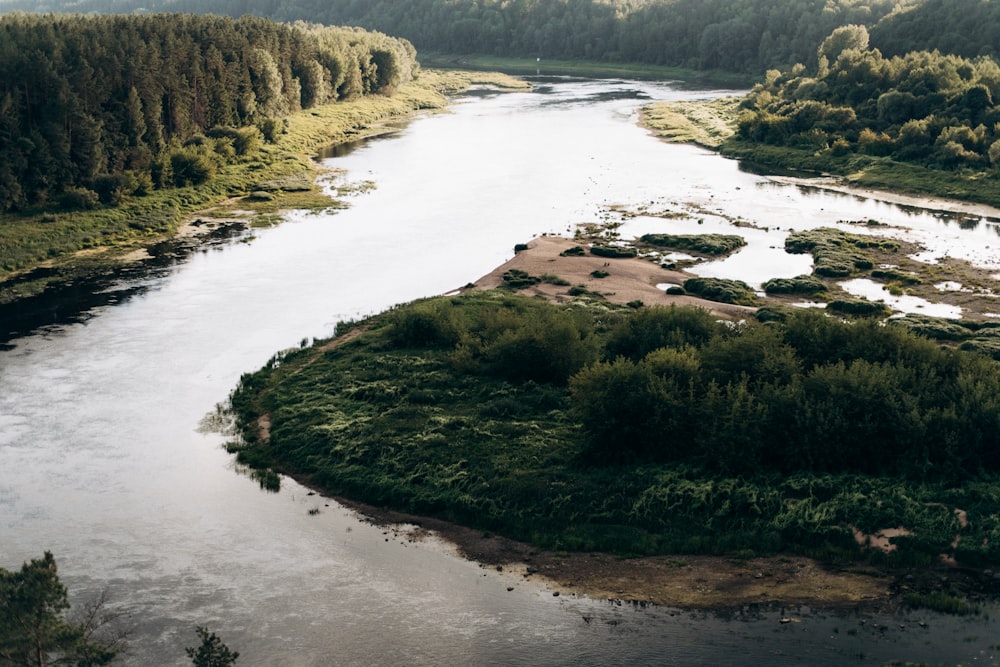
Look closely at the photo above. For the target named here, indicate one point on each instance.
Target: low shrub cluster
(706, 244)
(836, 253)
(722, 289)
(613, 251)
(797, 285)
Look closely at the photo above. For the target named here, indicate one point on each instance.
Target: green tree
(33, 629)
(212, 652)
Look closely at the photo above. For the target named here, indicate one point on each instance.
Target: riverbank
(588, 69)
(681, 581)
(59, 248)
(712, 124)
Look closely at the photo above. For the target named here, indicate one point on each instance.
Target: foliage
(857, 107)
(708, 244)
(613, 251)
(722, 289)
(665, 430)
(745, 36)
(211, 652)
(796, 285)
(518, 279)
(836, 253)
(119, 104)
(859, 308)
(33, 629)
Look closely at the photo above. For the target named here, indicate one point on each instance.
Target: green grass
(706, 123)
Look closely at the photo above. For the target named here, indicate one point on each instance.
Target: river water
(104, 462)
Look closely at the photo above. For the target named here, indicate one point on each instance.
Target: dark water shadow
(73, 295)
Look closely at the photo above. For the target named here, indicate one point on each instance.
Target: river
(104, 460)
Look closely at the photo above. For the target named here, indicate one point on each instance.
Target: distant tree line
(734, 35)
(962, 27)
(98, 108)
(924, 107)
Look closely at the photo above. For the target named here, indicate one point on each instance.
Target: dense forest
(640, 430)
(936, 110)
(95, 109)
(735, 35)
(963, 27)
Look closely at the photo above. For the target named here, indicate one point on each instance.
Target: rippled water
(103, 462)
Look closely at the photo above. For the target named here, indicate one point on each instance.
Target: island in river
(469, 410)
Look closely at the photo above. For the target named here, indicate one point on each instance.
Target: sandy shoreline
(628, 280)
(680, 581)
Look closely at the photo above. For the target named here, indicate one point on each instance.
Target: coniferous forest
(94, 109)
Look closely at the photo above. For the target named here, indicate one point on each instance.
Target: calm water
(103, 461)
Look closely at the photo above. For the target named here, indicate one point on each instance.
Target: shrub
(432, 325)
(721, 289)
(575, 251)
(708, 244)
(518, 279)
(190, 167)
(80, 199)
(859, 307)
(614, 252)
(797, 285)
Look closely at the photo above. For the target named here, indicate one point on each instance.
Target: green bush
(859, 308)
(721, 289)
(797, 285)
(518, 279)
(79, 199)
(708, 244)
(614, 252)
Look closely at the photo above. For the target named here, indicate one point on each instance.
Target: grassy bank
(585, 68)
(459, 407)
(284, 168)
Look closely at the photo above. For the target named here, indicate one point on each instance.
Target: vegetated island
(627, 443)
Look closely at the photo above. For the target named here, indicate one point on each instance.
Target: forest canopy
(96, 108)
(747, 36)
(924, 107)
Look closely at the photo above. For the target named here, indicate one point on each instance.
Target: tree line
(925, 107)
(741, 36)
(96, 108)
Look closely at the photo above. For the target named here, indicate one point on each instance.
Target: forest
(747, 36)
(640, 430)
(100, 108)
(924, 107)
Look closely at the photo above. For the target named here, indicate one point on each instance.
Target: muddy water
(104, 460)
